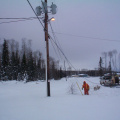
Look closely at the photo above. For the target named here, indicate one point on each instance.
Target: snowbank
(28, 101)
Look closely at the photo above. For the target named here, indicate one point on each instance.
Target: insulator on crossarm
(44, 7)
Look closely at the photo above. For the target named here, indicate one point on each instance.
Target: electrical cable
(54, 48)
(57, 47)
(60, 50)
(17, 20)
(69, 63)
(35, 14)
(89, 37)
(55, 39)
(32, 18)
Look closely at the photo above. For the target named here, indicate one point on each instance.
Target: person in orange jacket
(86, 88)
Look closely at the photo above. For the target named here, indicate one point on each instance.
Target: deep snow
(28, 101)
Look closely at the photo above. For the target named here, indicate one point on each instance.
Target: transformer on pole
(53, 8)
(38, 10)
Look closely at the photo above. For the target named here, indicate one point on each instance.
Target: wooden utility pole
(47, 53)
(39, 11)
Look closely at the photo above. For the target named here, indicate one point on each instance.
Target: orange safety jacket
(85, 86)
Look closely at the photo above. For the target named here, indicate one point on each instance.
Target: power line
(89, 37)
(69, 63)
(35, 14)
(32, 18)
(53, 47)
(20, 20)
(59, 49)
(55, 39)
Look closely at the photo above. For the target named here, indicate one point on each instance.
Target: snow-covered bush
(72, 89)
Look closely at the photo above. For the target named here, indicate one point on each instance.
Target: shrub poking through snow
(97, 87)
(72, 89)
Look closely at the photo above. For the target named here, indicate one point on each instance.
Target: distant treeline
(23, 63)
(20, 62)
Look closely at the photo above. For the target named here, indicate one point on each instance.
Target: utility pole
(47, 52)
(39, 12)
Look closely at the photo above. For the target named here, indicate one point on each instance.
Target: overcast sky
(78, 23)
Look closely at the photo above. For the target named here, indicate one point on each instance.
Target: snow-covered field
(28, 101)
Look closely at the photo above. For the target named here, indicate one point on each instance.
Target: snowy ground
(28, 101)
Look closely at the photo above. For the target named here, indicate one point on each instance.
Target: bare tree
(69, 71)
(29, 46)
(105, 57)
(100, 67)
(72, 89)
(114, 54)
(23, 46)
(110, 54)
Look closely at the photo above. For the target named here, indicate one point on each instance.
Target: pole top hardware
(53, 8)
(44, 9)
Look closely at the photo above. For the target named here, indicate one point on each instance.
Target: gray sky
(78, 21)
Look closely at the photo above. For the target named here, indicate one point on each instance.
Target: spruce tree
(38, 69)
(5, 55)
(100, 67)
(13, 66)
(31, 68)
(5, 59)
(110, 68)
(23, 64)
(17, 64)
